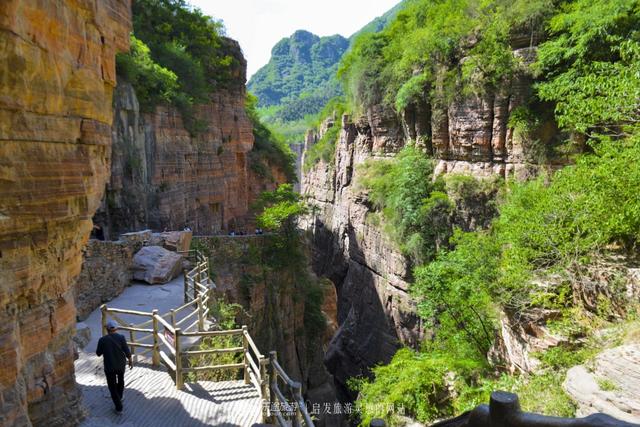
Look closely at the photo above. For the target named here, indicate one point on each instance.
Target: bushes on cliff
(325, 148)
(280, 209)
(153, 83)
(549, 225)
(415, 208)
(181, 34)
(590, 66)
(268, 149)
(424, 47)
(415, 383)
(177, 56)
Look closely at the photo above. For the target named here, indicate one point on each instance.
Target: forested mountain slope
(300, 77)
(476, 203)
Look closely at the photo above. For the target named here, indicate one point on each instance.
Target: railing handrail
(504, 410)
(254, 362)
(296, 407)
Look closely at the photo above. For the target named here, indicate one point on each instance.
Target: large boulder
(155, 264)
(178, 241)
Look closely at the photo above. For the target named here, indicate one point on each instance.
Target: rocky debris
(58, 74)
(137, 239)
(611, 384)
(83, 335)
(518, 338)
(155, 264)
(177, 241)
(106, 271)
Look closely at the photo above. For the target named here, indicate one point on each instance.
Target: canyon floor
(151, 398)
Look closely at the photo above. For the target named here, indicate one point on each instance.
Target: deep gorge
(468, 202)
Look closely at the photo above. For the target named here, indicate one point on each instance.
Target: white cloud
(260, 24)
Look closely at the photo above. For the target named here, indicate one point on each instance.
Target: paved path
(151, 398)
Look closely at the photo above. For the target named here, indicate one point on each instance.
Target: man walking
(114, 348)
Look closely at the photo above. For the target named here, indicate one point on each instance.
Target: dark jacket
(115, 350)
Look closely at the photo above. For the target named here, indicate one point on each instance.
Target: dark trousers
(115, 382)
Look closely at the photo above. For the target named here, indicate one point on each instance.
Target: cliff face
(374, 310)
(470, 134)
(164, 177)
(276, 310)
(57, 75)
(473, 134)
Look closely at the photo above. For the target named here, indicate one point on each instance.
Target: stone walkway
(151, 398)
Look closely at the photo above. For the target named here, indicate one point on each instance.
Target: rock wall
(57, 76)
(106, 271)
(472, 134)
(163, 177)
(469, 134)
(276, 311)
(374, 311)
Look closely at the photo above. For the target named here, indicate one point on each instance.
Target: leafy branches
(280, 209)
(591, 66)
(464, 44)
(416, 209)
(177, 56)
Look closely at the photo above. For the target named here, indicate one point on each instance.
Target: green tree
(590, 66)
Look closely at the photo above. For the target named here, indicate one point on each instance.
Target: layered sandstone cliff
(276, 310)
(471, 134)
(164, 177)
(57, 76)
(476, 133)
(374, 311)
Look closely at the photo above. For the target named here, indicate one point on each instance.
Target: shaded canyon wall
(164, 177)
(275, 307)
(469, 134)
(57, 75)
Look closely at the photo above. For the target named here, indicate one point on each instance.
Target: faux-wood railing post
(132, 338)
(264, 388)
(103, 320)
(273, 384)
(196, 289)
(245, 352)
(200, 315)
(296, 392)
(155, 358)
(172, 313)
(178, 359)
(186, 286)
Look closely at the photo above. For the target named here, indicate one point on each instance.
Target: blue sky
(259, 24)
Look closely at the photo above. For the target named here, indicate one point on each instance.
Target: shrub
(590, 65)
(416, 210)
(177, 56)
(425, 45)
(324, 149)
(415, 382)
(153, 83)
(268, 148)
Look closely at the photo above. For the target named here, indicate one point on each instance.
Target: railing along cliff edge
(164, 335)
